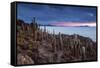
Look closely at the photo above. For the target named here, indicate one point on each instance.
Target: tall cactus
(61, 41)
(42, 35)
(54, 40)
(35, 38)
(44, 29)
(35, 28)
(83, 53)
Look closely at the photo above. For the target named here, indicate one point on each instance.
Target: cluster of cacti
(40, 46)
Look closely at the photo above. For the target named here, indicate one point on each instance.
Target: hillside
(38, 46)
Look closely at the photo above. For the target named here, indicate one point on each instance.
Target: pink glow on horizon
(92, 24)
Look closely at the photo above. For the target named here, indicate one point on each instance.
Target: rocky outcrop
(24, 59)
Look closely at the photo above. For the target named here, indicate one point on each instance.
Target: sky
(67, 16)
(55, 14)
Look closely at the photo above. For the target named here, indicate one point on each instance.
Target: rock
(24, 59)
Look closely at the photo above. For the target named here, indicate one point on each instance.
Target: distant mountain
(67, 26)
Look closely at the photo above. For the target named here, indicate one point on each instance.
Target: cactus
(61, 41)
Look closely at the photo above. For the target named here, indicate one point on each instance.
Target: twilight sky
(57, 15)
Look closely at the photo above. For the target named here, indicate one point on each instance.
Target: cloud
(91, 14)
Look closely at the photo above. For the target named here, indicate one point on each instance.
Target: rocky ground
(36, 46)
